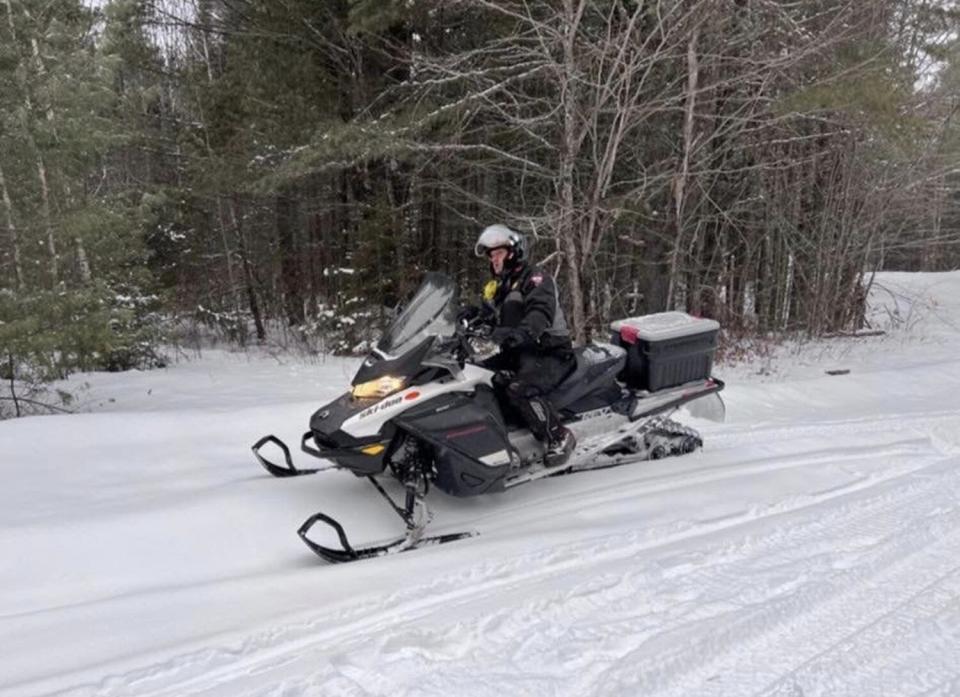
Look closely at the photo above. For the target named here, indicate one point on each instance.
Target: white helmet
(495, 236)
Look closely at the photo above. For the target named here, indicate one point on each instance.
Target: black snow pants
(522, 382)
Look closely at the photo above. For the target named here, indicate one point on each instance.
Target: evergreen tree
(76, 295)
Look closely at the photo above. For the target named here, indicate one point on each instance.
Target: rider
(536, 353)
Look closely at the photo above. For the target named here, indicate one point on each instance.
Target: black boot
(560, 447)
(544, 423)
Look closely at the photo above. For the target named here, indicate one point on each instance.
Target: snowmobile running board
(415, 514)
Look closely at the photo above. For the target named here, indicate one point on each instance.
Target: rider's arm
(539, 304)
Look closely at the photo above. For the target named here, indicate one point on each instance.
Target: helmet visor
(493, 237)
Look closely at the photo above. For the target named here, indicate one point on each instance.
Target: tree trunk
(12, 231)
(286, 219)
(46, 215)
(567, 228)
(13, 385)
(45, 208)
(248, 277)
(680, 180)
(83, 262)
(227, 254)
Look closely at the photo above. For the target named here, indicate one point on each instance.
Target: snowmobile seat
(597, 365)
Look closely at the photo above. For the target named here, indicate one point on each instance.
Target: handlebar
(459, 344)
(476, 328)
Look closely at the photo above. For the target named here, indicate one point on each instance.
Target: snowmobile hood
(402, 366)
(326, 426)
(328, 419)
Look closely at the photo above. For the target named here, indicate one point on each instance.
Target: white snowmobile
(421, 407)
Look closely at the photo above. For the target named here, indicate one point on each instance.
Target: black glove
(510, 338)
(468, 314)
(502, 378)
(487, 312)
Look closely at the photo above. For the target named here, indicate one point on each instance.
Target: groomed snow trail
(820, 592)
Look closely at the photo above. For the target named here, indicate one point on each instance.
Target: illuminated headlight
(380, 388)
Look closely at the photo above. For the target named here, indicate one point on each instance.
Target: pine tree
(76, 295)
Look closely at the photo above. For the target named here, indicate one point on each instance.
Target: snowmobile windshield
(431, 312)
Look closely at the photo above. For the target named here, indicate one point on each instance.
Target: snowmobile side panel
(597, 367)
(473, 452)
(461, 476)
(611, 395)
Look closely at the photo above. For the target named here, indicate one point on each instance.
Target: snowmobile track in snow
(769, 582)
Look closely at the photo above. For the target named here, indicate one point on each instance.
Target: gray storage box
(666, 349)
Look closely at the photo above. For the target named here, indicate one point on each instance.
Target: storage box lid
(662, 326)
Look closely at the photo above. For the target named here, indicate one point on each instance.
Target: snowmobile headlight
(380, 388)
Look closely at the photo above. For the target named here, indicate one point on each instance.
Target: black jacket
(527, 298)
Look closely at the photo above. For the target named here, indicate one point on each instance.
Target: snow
(811, 548)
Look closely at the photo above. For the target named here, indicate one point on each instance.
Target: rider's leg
(542, 419)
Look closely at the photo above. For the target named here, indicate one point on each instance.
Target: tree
(74, 283)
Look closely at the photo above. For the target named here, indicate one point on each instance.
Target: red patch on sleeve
(536, 279)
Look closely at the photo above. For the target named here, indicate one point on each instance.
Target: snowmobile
(422, 407)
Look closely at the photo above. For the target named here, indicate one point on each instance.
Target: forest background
(284, 171)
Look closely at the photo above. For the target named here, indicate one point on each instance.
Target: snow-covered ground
(811, 548)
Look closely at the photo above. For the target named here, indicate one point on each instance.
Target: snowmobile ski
(289, 469)
(415, 514)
